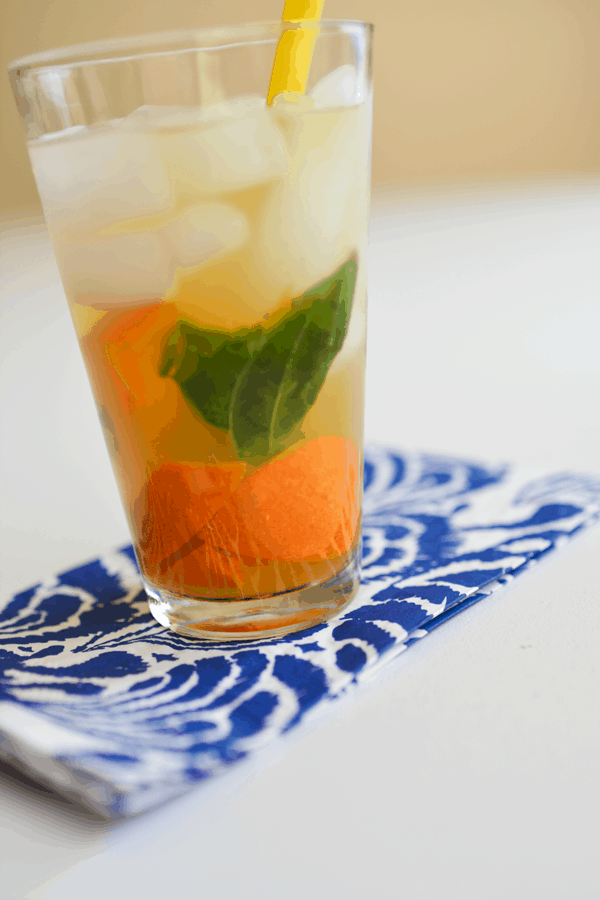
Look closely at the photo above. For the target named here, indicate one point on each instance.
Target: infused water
(214, 263)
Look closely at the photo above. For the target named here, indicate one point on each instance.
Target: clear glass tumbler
(212, 250)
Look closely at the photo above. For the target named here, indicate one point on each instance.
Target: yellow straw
(295, 48)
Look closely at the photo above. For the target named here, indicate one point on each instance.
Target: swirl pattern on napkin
(160, 712)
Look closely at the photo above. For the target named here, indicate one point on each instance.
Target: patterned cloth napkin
(99, 700)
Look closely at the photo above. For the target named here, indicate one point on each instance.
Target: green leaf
(258, 384)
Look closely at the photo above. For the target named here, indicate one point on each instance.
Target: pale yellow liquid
(291, 224)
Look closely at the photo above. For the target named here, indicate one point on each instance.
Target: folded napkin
(99, 700)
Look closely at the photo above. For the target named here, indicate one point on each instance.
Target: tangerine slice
(175, 508)
(303, 505)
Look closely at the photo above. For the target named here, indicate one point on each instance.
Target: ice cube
(205, 231)
(170, 117)
(151, 117)
(338, 88)
(238, 145)
(292, 101)
(120, 265)
(311, 225)
(99, 176)
(231, 109)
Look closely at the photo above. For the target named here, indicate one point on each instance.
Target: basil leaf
(207, 366)
(258, 384)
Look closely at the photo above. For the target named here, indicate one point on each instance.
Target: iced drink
(213, 257)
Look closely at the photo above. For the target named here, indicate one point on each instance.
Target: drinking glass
(213, 249)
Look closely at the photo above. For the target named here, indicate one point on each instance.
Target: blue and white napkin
(100, 701)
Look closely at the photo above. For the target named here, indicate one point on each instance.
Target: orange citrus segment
(299, 506)
(175, 508)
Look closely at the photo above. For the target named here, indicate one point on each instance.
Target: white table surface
(469, 768)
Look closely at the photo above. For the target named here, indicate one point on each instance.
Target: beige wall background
(465, 90)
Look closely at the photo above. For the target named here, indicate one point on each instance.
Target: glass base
(256, 617)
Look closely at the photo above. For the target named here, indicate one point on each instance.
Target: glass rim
(111, 50)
